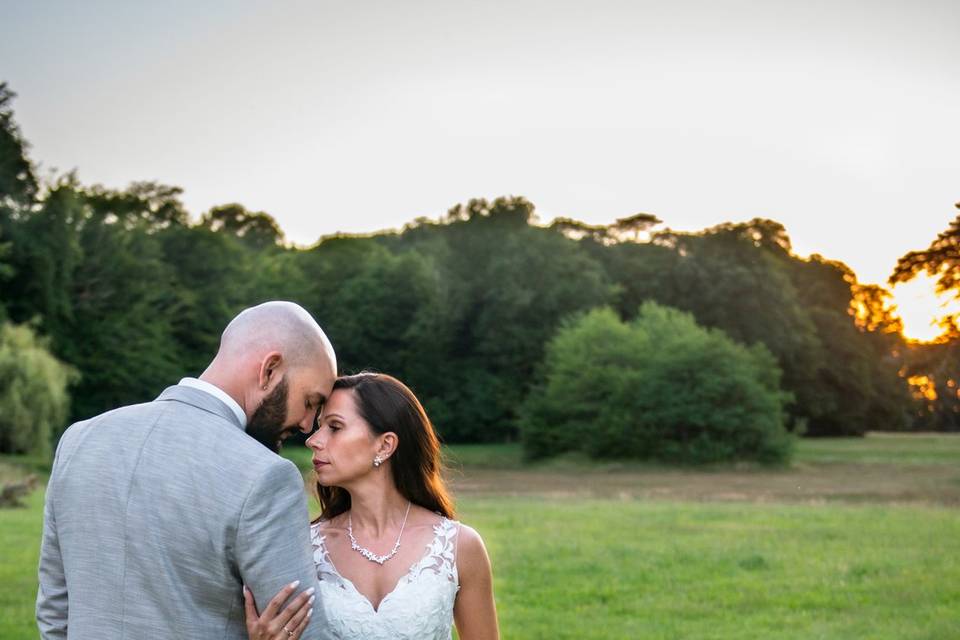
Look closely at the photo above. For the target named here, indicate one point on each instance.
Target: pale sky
(839, 119)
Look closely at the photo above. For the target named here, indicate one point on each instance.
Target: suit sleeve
(273, 539)
(52, 592)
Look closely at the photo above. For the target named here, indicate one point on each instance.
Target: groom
(157, 514)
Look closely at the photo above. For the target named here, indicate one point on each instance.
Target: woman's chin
(326, 478)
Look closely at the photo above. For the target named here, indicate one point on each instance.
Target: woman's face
(343, 444)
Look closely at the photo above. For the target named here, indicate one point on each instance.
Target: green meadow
(727, 553)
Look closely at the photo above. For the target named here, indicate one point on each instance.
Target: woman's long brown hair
(386, 404)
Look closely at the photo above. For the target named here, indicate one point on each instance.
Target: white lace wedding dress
(420, 606)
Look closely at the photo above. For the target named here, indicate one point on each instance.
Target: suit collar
(217, 393)
(201, 400)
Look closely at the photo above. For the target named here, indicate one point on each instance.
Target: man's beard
(266, 425)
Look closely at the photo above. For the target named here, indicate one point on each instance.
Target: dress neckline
(404, 577)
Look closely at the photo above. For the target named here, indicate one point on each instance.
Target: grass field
(585, 550)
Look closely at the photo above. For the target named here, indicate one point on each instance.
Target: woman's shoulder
(470, 542)
(473, 563)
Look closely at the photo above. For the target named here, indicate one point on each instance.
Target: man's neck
(227, 384)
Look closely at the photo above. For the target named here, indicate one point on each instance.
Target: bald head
(284, 327)
(277, 363)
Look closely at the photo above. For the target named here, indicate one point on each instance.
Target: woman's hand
(276, 623)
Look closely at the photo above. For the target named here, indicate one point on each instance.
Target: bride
(391, 560)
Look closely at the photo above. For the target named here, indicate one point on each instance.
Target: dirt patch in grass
(807, 483)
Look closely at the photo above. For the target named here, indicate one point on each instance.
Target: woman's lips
(319, 464)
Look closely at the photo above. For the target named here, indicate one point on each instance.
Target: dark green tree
(6, 272)
(209, 283)
(387, 315)
(633, 227)
(744, 279)
(509, 285)
(858, 387)
(47, 252)
(732, 277)
(18, 190)
(658, 388)
(18, 184)
(149, 206)
(100, 289)
(577, 230)
(256, 228)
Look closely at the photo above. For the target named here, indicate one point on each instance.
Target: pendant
(370, 555)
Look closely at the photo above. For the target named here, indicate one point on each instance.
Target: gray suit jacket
(155, 516)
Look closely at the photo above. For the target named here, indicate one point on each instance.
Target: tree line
(130, 293)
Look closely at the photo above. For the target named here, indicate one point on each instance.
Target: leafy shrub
(33, 392)
(658, 388)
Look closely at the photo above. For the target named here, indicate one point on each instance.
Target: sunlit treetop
(927, 287)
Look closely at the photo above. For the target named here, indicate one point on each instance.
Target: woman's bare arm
(474, 611)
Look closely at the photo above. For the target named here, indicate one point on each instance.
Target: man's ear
(269, 369)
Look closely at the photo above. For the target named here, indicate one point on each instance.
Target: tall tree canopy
(18, 184)
(256, 228)
(18, 187)
(132, 293)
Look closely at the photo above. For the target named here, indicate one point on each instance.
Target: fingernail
(309, 613)
(311, 590)
(312, 598)
(294, 584)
